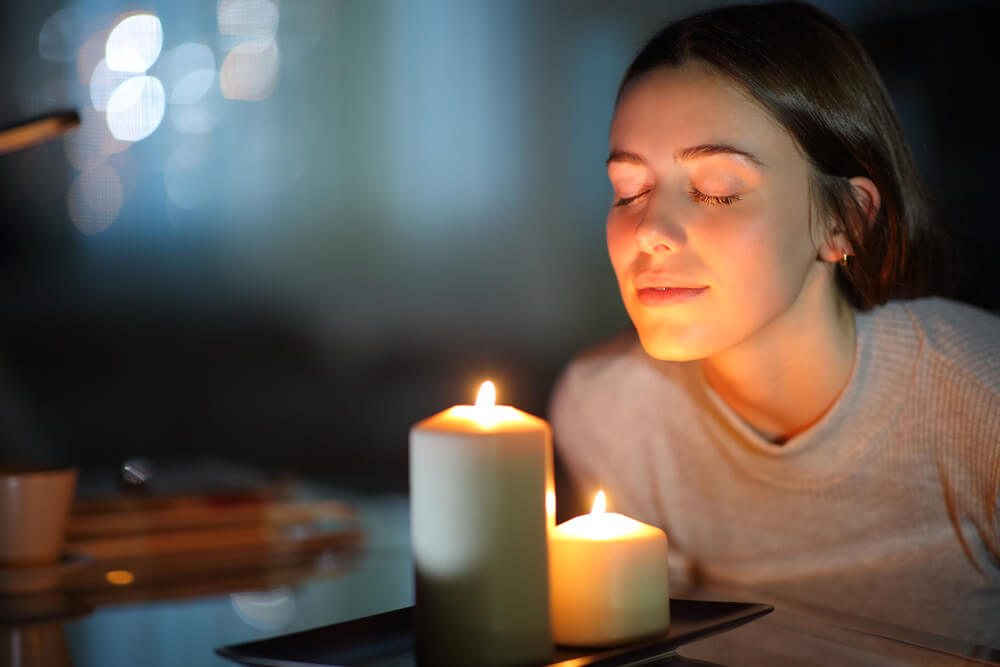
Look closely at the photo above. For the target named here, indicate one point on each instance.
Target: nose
(659, 232)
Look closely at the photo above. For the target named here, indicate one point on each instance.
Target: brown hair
(816, 80)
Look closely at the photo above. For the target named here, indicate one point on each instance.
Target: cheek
(767, 252)
(619, 232)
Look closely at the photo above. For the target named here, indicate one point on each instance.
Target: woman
(788, 409)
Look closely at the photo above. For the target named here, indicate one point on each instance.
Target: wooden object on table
(195, 545)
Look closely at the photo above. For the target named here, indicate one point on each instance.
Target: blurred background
(286, 230)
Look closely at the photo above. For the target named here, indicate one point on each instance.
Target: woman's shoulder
(963, 337)
(610, 356)
(938, 310)
(598, 369)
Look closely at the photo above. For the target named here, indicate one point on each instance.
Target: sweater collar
(836, 445)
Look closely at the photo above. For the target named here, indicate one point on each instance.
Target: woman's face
(709, 230)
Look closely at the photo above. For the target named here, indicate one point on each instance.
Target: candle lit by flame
(607, 579)
(487, 396)
(486, 414)
(479, 475)
(601, 524)
(600, 504)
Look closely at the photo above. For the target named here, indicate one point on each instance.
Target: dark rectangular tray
(386, 640)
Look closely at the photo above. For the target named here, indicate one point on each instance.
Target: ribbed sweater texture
(888, 507)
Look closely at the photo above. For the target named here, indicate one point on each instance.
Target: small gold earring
(843, 260)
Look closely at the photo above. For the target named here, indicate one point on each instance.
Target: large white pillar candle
(608, 579)
(480, 478)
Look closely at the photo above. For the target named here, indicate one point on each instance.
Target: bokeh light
(134, 44)
(189, 72)
(111, 64)
(190, 77)
(250, 70)
(57, 40)
(136, 108)
(185, 58)
(119, 577)
(103, 82)
(193, 87)
(265, 610)
(248, 18)
(89, 55)
(95, 199)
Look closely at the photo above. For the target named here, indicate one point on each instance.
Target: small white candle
(608, 579)
(480, 484)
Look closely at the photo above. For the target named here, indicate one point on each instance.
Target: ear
(869, 201)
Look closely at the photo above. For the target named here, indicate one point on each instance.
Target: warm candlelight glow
(487, 411)
(603, 525)
(608, 579)
(119, 577)
(481, 503)
(487, 396)
(487, 415)
(600, 504)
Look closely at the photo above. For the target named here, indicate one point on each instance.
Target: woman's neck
(785, 377)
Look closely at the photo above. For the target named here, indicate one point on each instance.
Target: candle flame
(487, 396)
(600, 504)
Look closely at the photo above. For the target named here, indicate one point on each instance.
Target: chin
(674, 338)
(669, 348)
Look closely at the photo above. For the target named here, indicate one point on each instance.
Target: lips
(665, 296)
(655, 279)
(660, 289)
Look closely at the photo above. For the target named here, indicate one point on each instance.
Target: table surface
(338, 557)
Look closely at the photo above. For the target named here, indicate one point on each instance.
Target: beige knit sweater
(888, 507)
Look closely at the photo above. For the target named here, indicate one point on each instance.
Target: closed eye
(714, 200)
(625, 201)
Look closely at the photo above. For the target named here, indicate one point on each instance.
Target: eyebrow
(625, 156)
(686, 154)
